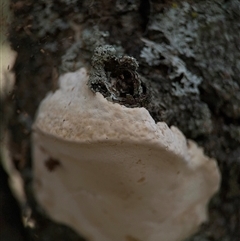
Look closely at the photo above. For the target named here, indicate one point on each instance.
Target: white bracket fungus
(113, 174)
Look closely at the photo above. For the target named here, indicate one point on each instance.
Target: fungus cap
(111, 173)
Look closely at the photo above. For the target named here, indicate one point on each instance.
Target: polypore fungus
(113, 174)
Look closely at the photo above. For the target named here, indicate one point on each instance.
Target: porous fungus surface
(111, 173)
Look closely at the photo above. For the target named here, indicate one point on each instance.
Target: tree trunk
(189, 57)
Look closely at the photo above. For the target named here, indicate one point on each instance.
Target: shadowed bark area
(188, 55)
(10, 219)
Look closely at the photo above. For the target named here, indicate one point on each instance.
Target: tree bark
(188, 54)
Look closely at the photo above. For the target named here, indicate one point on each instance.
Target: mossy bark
(189, 58)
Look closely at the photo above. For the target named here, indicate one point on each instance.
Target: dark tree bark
(188, 53)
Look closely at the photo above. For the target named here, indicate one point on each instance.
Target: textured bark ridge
(188, 55)
(116, 78)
